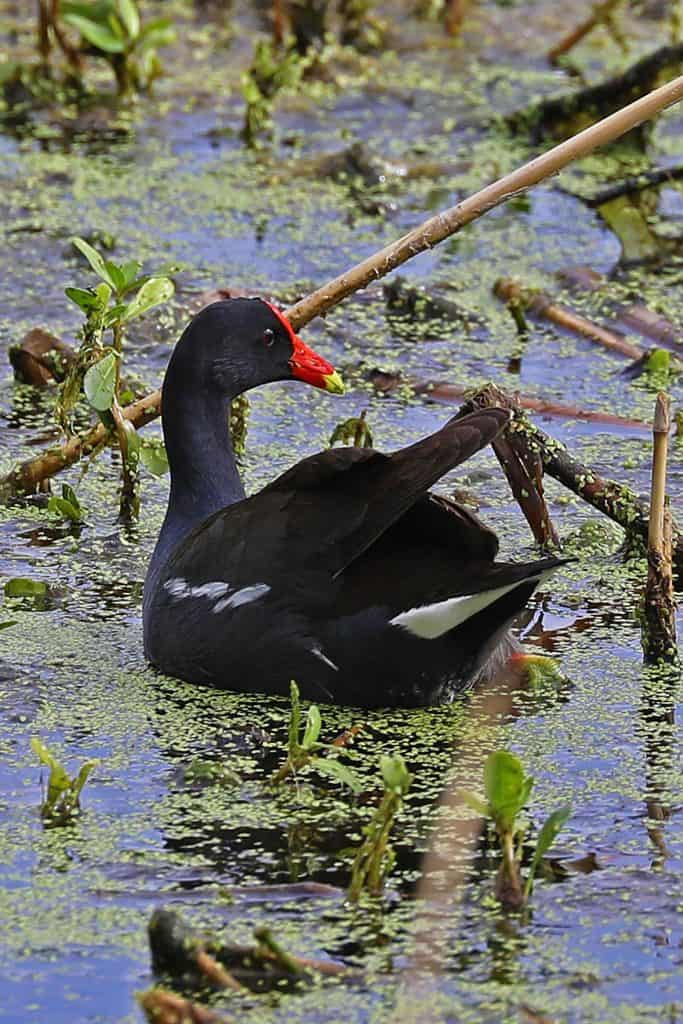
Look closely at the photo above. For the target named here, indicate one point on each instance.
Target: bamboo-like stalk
(29, 474)
(659, 609)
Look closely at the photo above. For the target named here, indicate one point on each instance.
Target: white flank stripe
(433, 620)
(323, 657)
(243, 596)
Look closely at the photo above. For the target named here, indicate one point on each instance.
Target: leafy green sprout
(354, 431)
(507, 788)
(304, 748)
(67, 506)
(61, 799)
(269, 73)
(375, 856)
(113, 30)
(122, 295)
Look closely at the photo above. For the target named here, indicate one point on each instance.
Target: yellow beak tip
(334, 383)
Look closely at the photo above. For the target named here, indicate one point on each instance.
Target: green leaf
(133, 439)
(339, 772)
(313, 727)
(84, 773)
(116, 275)
(658, 360)
(102, 37)
(98, 264)
(546, 837)
(130, 271)
(64, 509)
(69, 495)
(154, 458)
(507, 787)
(158, 32)
(396, 776)
(153, 292)
(480, 806)
(130, 18)
(103, 292)
(99, 383)
(44, 755)
(85, 300)
(20, 587)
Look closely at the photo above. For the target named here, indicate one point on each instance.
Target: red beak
(306, 364)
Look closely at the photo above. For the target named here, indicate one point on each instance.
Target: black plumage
(302, 580)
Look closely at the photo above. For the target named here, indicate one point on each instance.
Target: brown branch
(542, 305)
(434, 230)
(635, 317)
(614, 500)
(163, 1007)
(443, 391)
(599, 14)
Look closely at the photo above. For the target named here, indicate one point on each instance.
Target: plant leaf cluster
(508, 788)
(304, 748)
(375, 856)
(61, 802)
(114, 30)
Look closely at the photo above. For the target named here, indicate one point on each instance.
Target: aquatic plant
(375, 857)
(303, 748)
(354, 431)
(67, 506)
(113, 30)
(270, 72)
(507, 788)
(61, 800)
(96, 371)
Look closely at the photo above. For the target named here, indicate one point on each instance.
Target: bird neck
(204, 475)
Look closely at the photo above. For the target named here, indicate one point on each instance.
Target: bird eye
(268, 337)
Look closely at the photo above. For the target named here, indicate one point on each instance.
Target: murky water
(75, 901)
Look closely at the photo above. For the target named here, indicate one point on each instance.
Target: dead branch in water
(635, 317)
(28, 475)
(614, 500)
(542, 305)
(659, 607)
(443, 391)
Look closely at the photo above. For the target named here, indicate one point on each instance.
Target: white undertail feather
(433, 620)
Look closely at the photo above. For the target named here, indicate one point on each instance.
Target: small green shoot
(354, 431)
(61, 801)
(66, 507)
(303, 748)
(375, 857)
(507, 788)
(270, 72)
(114, 30)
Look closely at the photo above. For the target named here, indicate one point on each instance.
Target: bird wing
(318, 517)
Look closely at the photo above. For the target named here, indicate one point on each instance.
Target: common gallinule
(345, 573)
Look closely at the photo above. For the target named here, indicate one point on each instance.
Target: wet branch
(31, 473)
(614, 500)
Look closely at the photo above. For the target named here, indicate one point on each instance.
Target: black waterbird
(346, 573)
